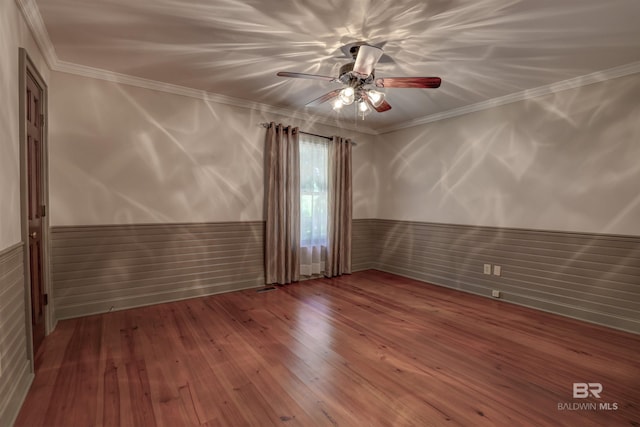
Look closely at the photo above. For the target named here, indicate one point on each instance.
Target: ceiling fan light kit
(363, 108)
(347, 95)
(375, 97)
(359, 80)
(362, 97)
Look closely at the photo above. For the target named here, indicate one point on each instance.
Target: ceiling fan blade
(410, 82)
(366, 60)
(386, 59)
(384, 106)
(305, 76)
(324, 98)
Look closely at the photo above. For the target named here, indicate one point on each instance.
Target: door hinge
(46, 299)
(44, 210)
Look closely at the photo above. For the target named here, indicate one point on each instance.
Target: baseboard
(125, 303)
(563, 310)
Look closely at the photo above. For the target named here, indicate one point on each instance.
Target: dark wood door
(35, 122)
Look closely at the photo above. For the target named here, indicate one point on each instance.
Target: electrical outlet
(495, 293)
(487, 269)
(497, 270)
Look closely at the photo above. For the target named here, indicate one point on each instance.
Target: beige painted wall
(568, 161)
(13, 35)
(121, 154)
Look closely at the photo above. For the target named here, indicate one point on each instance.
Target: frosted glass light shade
(375, 97)
(347, 95)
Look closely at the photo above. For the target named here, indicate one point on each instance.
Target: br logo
(584, 390)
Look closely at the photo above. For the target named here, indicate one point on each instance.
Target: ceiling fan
(360, 82)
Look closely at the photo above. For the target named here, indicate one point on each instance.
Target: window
(313, 203)
(313, 190)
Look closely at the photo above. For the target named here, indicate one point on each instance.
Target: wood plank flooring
(369, 349)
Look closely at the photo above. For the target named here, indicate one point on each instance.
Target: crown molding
(110, 76)
(31, 14)
(572, 83)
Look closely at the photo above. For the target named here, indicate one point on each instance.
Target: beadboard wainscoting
(15, 372)
(112, 267)
(593, 277)
(362, 246)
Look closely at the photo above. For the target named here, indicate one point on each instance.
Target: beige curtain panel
(282, 204)
(340, 208)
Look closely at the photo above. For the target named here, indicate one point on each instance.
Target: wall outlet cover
(497, 270)
(495, 294)
(487, 269)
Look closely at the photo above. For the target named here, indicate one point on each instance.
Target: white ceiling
(482, 49)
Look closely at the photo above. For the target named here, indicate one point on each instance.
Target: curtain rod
(266, 125)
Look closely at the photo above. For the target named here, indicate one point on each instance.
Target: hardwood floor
(369, 349)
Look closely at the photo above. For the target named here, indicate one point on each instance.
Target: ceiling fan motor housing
(347, 76)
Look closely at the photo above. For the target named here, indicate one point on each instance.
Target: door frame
(28, 66)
